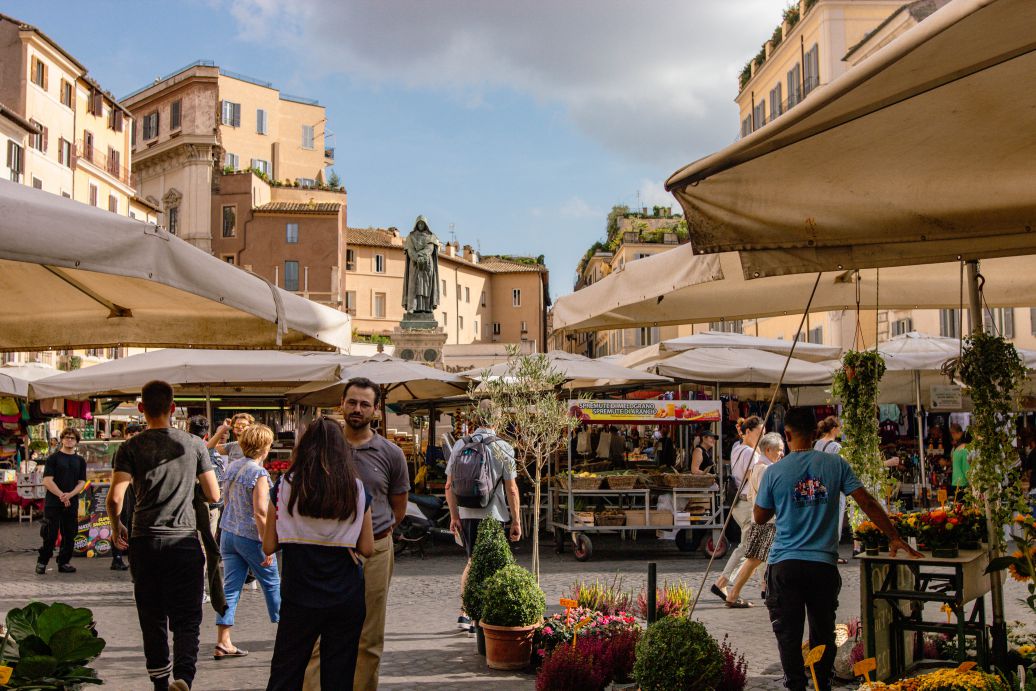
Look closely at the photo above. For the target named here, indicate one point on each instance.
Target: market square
(271, 420)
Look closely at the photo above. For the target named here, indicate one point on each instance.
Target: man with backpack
(481, 483)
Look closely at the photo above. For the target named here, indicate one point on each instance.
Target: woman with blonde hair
(246, 491)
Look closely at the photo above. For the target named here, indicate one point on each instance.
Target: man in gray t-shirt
(465, 521)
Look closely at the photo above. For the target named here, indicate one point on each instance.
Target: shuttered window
(174, 114)
(231, 115)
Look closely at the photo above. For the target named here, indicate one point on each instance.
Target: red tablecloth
(9, 495)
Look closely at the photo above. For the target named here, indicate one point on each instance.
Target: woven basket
(623, 481)
(610, 519)
(586, 483)
(687, 481)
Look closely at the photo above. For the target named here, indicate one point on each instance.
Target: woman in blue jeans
(246, 492)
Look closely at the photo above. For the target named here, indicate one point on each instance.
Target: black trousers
(167, 585)
(66, 521)
(339, 631)
(797, 591)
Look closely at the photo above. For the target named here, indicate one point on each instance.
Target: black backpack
(472, 472)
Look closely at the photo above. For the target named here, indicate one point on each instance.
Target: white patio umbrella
(14, 381)
(191, 371)
(401, 380)
(921, 153)
(74, 276)
(741, 366)
(581, 372)
(721, 339)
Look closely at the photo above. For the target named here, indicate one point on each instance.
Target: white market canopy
(918, 351)
(402, 380)
(196, 371)
(921, 153)
(722, 339)
(741, 366)
(14, 381)
(581, 372)
(679, 287)
(75, 276)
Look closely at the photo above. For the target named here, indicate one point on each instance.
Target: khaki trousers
(377, 574)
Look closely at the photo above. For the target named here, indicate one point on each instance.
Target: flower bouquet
(939, 531)
(869, 534)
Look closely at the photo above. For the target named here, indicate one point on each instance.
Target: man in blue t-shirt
(802, 580)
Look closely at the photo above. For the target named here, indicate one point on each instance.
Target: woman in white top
(322, 522)
(830, 429)
(757, 538)
(741, 460)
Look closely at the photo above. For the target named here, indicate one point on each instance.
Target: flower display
(559, 628)
(944, 680)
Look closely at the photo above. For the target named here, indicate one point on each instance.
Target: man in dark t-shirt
(64, 477)
(166, 560)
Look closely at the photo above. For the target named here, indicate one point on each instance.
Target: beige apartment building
(14, 138)
(482, 298)
(201, 121)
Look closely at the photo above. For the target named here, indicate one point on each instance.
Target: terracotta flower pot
(508, 647)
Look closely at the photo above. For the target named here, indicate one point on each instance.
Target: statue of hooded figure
(421, 275)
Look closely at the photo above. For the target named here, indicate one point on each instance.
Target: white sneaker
(254, 585)
(177, 685)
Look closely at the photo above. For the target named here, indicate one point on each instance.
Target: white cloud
(577, 207)
(651, 79)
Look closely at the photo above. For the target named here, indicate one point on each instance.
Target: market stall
(623, 500)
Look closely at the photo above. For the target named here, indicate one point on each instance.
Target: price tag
(864, 667)
(567, 603)
(5, 674)
(941, 496)
(812, 658)
(967, 666)
(575, 630)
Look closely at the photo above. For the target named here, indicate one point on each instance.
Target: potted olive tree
(512, 607)
(491, 553)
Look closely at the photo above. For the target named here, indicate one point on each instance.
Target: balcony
(100, 160)
(329, 157)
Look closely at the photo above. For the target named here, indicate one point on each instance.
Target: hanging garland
(993, 372)
(856, 384)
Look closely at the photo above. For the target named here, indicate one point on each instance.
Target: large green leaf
(33, 645)
(60, 616)
(75, 643)
(22, 622)
(36, 667)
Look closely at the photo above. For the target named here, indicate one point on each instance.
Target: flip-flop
(739, 604)
(842, 561)
(224, 653)
(715, 590)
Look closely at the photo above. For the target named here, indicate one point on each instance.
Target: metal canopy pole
(996, 590)
(919, 416)
(208, 405)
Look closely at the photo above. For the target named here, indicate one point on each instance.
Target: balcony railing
(329, 155)
(100, 159)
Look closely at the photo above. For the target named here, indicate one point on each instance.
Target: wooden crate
(635, 517)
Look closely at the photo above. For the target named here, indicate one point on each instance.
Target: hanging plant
(993, 372)
(856, 384)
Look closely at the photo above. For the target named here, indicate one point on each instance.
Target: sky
(513, 126)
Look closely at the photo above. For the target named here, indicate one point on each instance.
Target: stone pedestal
(419, 338)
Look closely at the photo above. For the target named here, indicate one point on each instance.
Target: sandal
(718, 593)
(223, 653)
(842, 561)
(739, 604)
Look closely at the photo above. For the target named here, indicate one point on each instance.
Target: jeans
(167, 585)
(338, 629)
(66, 521)
(239, 555)
(795, 591)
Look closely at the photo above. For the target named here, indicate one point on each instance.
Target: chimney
(451, 249)
(643, 210)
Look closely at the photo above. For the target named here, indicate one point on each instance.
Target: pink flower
(548, 631)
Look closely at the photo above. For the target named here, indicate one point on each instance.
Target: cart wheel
(716, 550)
(583, 547)
(688, 540)
(559, 541)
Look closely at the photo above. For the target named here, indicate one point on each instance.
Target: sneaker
(471, 630)
(254, 585)
(463, 622)
(119, 565)
(66, 568)
(41, 569)
(178, 685)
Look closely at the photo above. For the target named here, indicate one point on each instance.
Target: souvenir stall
(584, 503)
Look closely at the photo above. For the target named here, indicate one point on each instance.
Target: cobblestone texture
(424, 649)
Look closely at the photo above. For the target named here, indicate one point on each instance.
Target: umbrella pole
(996, 590)
(919, 416)
(208, 405)
(384, 415)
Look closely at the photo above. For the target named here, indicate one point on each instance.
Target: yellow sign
(967, 666)
(812, 658)
(575, 630)
(864, 667)
(567, 603)
(941, 496)
(5, 674)
(628, 412)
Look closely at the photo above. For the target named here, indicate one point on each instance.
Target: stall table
(895, 590)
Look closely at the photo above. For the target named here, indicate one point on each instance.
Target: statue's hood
(426, 225)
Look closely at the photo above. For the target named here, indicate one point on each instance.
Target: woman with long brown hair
(322, 526)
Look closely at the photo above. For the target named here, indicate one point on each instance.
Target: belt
(383, 534)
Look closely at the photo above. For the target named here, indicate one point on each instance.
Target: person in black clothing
(702, 461)
(665, 450)
(64, 477)
(163, 464)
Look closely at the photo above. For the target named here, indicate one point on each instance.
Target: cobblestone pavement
(424, 649)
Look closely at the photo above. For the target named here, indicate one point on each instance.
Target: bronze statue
(421, 275)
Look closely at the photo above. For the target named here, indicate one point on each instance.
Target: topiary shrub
(511, 597)
(677, 654)
(491, 554)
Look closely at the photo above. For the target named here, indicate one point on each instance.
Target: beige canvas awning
(74, 276)
(14, 381)
(814, 352)
(741, 366)
(582, 372)
(921, 153)
(402, 380)
(679, 287)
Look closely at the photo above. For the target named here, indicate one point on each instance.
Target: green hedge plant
(677, 654)
(491, 554)
(511, 597)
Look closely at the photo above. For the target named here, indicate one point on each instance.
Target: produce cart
(625, 499)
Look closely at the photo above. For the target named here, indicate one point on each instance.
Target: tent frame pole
(996, 590)
(923, 466)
